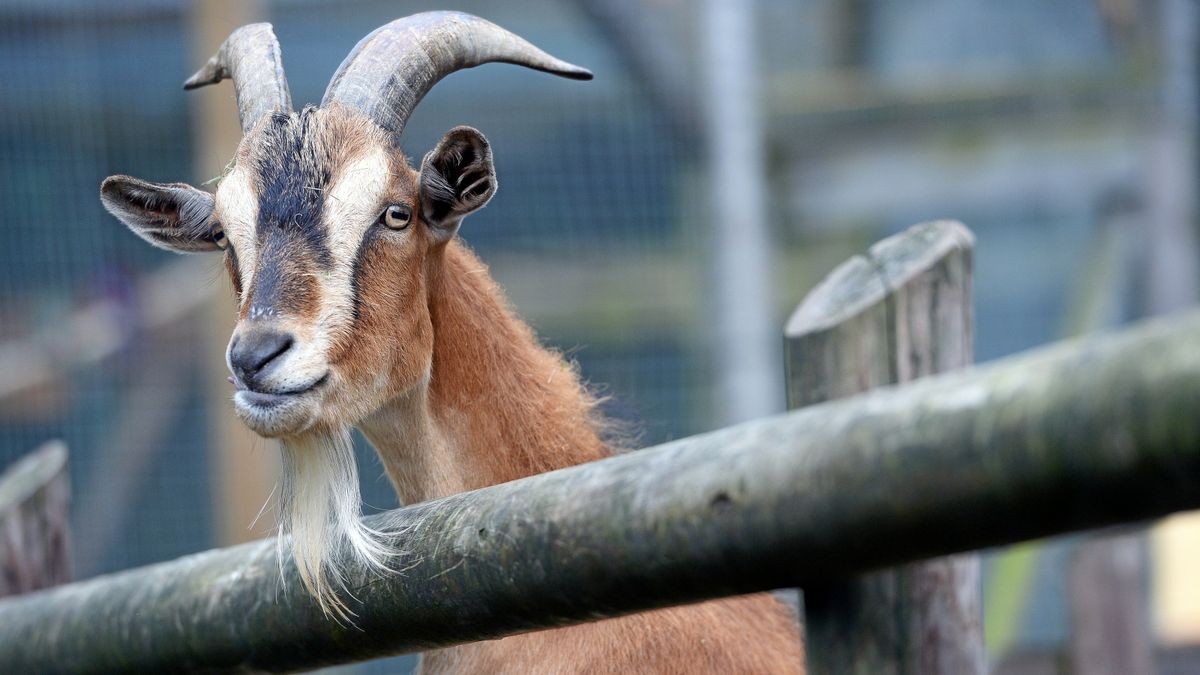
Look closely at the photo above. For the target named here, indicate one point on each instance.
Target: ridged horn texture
(389, 71)
(250, 57)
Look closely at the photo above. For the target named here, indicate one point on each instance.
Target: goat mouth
(273, 414)
(269, 399)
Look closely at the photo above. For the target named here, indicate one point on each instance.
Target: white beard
(319, 507)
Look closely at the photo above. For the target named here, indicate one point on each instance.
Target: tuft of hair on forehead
(312, 139)
(319, 510)
(291, 161)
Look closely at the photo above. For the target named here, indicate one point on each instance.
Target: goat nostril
(253, 352)
(276, 348)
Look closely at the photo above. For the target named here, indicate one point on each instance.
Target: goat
(358, 305)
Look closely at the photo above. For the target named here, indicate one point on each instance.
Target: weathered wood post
(901, 312)
(34, 498)
(1110, 632)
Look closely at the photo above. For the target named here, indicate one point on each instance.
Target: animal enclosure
(1062, 133)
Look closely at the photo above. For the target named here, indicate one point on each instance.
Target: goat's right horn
(389, 71)
(250, 57)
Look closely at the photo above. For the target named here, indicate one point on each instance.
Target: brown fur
(517, 408)
(752, 634)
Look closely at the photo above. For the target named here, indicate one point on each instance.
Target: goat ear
(174, 216)
(457, 178)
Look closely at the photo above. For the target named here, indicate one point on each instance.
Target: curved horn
(250, 57)
(389, 71)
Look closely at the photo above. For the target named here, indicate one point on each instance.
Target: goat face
(326, 228)
(326, 232)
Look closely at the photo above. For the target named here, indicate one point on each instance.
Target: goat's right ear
(457, 178)
(174, 216)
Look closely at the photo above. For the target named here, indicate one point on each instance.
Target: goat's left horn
(389, 71)
(250, 57)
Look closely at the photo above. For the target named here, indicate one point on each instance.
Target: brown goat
(359, 306)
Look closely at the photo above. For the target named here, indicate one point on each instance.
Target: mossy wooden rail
(1078, 435)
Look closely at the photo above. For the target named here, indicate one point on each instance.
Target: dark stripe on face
(368, 239)
(281, 286)
(293, 173)
(235, 272)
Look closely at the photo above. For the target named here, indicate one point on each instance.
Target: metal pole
(1172, 265)
(746, 345)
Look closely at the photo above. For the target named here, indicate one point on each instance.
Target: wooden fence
(1078, 435)
(900, 312)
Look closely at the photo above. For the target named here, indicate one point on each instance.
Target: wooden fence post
(34, 528)
(1109, 621)
(901, 312)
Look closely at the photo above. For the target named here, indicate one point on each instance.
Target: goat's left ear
(174, 216)
(457, 178)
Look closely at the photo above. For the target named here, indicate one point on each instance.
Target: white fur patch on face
(237, 211)
(352, 205)
(353, 202)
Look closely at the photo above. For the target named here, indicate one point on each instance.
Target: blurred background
(657, 225)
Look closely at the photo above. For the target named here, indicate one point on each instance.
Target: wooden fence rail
(1079, 435)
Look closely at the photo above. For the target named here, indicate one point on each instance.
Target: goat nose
(253, 351)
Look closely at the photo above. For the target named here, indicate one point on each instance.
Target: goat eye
(396, 216)
(218, 237)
